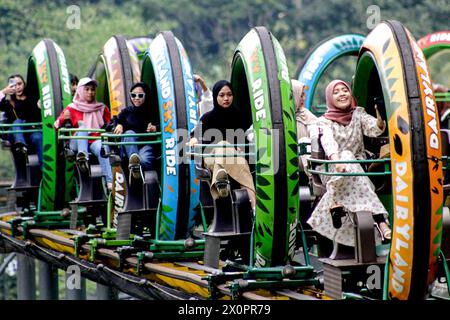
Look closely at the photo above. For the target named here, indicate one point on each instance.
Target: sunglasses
(137, 95)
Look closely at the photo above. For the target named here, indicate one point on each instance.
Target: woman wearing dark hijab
(343, 127)
(137, 118)
(225, 124)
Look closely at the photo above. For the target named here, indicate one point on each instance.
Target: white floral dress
(354, 193)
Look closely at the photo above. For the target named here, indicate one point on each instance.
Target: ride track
(259, 66)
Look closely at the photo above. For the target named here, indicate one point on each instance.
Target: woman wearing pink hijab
(343, 127)
(86, 112)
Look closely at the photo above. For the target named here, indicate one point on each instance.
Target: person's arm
(120, 121)
(3, 101)
(3, 94)
(6, 91)
(201, 82)
(106, 116)
(331, 147)
(371, 126)
(63, 116)
(207, 103)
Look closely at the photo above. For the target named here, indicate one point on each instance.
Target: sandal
(337, 212)
(385, 231)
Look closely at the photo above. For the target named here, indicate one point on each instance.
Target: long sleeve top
(136, 119)
(76, 116)
(20, 109)
(337, 138)
(206, 104)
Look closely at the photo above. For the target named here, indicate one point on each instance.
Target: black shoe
(69, 154)
(134, 165)
(19, 147)
(222, 183)
(82, 161)
(337, 213)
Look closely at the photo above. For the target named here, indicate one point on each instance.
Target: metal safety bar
(25, 124)
(385, 161)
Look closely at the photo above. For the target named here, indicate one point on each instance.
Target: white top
(337, 137)
(206, 104)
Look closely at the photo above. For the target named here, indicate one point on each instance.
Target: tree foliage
(210, 30)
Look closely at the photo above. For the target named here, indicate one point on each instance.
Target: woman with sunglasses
(137, 118)
(86, 112)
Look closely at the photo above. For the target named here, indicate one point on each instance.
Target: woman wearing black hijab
(225, 124)
(138, 118)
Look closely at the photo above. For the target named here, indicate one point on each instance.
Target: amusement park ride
(159, 234)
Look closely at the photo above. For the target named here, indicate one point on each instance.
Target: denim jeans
(34, 138)
(145, 152)
(82, 145)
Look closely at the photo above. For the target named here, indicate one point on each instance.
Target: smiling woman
(342, 129)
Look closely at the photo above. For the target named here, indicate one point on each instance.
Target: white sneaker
(134, 164)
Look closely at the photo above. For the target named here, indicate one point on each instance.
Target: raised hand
(380, 121)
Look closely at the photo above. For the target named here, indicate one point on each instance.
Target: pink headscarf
(92, 112)
(335, 114)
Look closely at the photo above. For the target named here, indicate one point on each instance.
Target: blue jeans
(82, 145)
(145, 152)
(35, 138)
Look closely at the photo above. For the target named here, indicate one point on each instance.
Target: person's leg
(80, 145)
(147, 157)
(96, 147)
(130, 149)
(19, 136)
(36, 141)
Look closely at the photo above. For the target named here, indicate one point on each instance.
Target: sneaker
(19, 147)
(134, 164)
(222, 183)
(82, 161)
(69, 154)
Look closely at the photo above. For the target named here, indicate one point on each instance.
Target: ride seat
(141, 204)
(232, 220)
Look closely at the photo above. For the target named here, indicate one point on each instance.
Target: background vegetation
(210, 30)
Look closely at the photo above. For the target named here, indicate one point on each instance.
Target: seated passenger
(19, 108)
(86, 112)
(73, 83)
(228, 122)
(343, 127)
(137, 118)
(304, 117)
